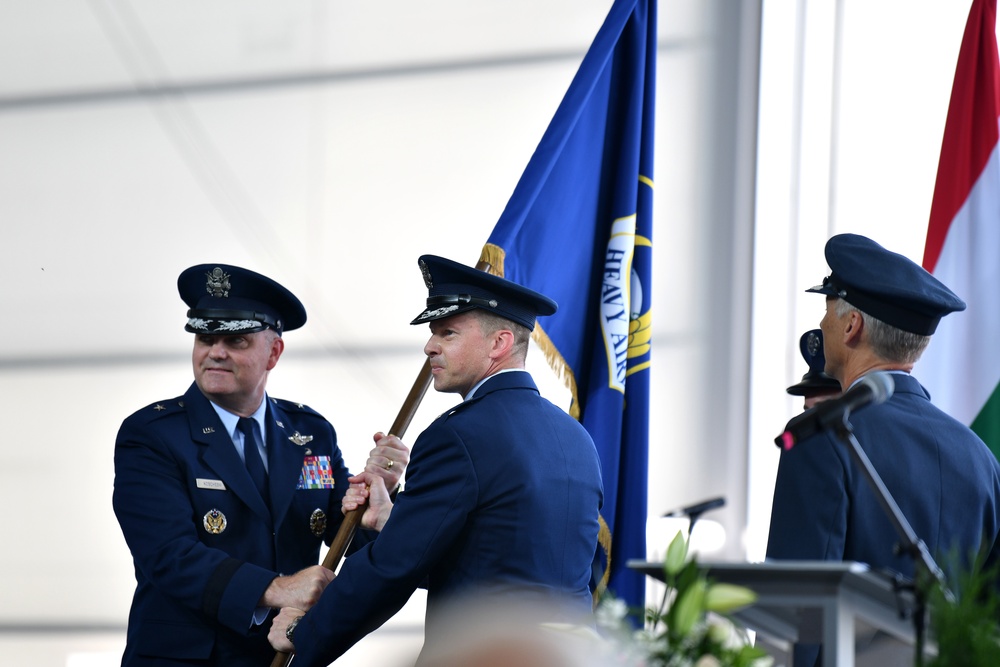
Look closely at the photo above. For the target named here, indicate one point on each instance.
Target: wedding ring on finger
(389, 465)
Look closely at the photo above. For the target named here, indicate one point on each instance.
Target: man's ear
(855, 325)
(503, 343)
(277, 347)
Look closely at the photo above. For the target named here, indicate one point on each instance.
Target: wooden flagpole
(352, 519)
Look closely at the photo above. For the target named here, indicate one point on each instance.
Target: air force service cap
(816, 381)
(225, 299)
(454, 288)
(886, 285)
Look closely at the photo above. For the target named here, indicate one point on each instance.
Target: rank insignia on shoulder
(215, 521)
(300, 439)
(158, 407)
(316, 473)
(317, 522)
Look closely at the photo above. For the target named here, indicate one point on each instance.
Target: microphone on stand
(694, 512)
(872, 389)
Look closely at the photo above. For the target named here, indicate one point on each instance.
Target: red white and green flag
(961, 367)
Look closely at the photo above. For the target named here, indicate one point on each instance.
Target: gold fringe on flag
(604, 541)
(559, 366)
(494, 255)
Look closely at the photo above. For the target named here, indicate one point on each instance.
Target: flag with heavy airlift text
(578, 228)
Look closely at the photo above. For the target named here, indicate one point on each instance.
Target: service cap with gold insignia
(454, 288)
(226, 299)
(885, 285)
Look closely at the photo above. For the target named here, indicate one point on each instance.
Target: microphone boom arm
(910, 544)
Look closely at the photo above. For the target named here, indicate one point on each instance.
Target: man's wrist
(290, 630)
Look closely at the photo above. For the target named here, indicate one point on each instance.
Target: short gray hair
(889, 342)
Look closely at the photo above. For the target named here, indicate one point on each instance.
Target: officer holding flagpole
(225, 494)
(502, 498)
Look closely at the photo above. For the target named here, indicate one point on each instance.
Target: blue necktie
(251, 452)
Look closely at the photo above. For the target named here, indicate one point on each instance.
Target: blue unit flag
(578, 228)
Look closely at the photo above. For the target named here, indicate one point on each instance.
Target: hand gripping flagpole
(352, 518)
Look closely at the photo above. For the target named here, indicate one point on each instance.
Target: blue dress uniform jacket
(503, 494)
(204, 545)
(943, 477)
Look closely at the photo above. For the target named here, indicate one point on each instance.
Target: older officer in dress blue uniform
(503, 493)
(221, 489)
(881, 310)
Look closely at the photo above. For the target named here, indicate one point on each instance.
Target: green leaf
(748, 655)
(724, 598)
(676, 555)
(689, 574)
(688, 609)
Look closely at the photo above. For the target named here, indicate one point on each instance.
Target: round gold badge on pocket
(215, 521)
(317, 522)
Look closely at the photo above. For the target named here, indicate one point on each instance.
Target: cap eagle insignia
(218, 283)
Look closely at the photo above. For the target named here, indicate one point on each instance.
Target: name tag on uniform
(210, 484)
(316, 473)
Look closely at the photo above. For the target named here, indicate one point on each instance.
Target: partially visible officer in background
(815, 386)
(225, 494)
(881, 310)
